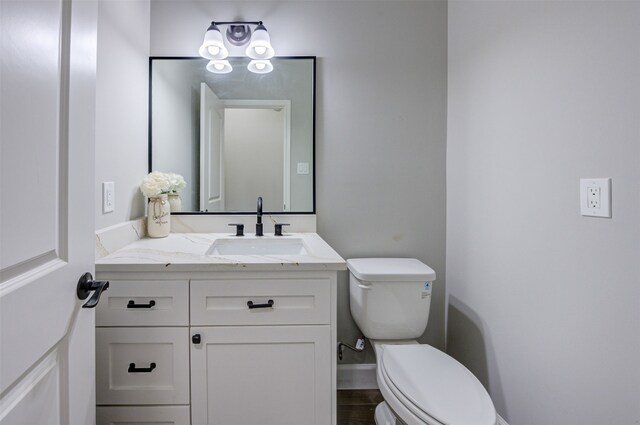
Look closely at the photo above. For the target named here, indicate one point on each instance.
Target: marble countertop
(187, 252)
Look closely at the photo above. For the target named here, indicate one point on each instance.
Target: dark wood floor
(357, 407)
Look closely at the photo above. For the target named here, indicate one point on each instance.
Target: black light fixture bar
(237, 22)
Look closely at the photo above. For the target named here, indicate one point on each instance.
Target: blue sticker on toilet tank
(427, 290)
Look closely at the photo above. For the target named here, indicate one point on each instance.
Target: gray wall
(121, 107)
(381, 126)
(543, 304)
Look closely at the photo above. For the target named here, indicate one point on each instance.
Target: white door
(211, 172)
(257, 169)
(253, 160)
(47, 87)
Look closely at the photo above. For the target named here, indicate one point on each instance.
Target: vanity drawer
(303, 301)
(144, 303)
(142, 366)
(147, 415)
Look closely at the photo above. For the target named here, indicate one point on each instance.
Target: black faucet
(259, 222)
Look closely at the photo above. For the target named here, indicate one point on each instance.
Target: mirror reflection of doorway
(254, 157)
(251, 157)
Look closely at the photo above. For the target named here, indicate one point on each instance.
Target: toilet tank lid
(390, 269)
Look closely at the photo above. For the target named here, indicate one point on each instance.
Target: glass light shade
(219, 66)
(260, 45)
(213, 47)
(260, 66)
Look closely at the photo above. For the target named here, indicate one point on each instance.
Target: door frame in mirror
(313, 147)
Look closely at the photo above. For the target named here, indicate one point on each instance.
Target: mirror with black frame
(235, 136)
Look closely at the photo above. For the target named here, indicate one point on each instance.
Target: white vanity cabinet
(229, 347)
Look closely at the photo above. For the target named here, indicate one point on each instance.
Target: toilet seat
(433, 387)
(405, 411)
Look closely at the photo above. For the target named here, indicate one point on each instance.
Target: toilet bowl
(422, 385)
(390, 300)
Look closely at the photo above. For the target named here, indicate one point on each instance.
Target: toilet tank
(390, 298)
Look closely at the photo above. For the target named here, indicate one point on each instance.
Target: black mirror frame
(313, 148)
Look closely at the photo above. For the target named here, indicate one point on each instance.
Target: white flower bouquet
(157, 183)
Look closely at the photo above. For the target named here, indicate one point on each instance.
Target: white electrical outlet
(595, 197)
(108, 197)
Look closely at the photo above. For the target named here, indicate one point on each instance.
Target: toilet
(390, 300)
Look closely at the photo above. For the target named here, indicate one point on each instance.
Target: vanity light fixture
(213, 47)
(260, 45)
(260, 66)
(219, 66)
(239, 33)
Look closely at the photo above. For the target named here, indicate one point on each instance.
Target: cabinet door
(261, 375)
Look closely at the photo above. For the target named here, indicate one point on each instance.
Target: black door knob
(196, 339)
(86, 285)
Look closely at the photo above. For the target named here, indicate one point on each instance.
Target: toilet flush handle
(364, 286)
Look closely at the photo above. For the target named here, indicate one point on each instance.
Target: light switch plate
(303, 168)
(108, 197)
(595, 197)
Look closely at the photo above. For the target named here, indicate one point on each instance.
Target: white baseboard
(357, 376)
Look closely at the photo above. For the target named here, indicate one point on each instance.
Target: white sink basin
(258, 246)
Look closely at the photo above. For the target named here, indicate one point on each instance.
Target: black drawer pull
(269, 304)
(132, 304)
(134, 369)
